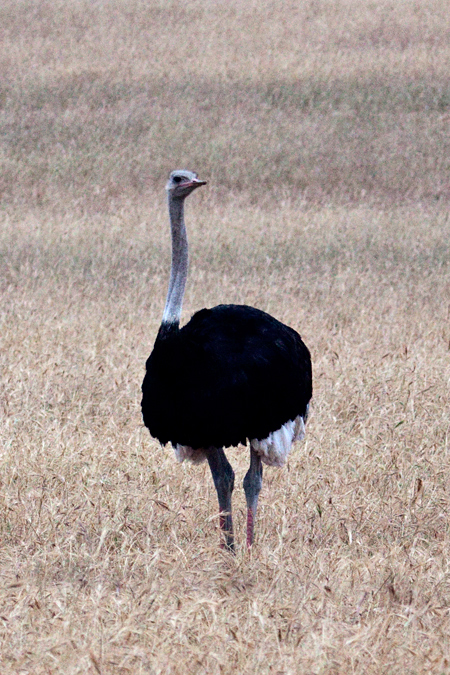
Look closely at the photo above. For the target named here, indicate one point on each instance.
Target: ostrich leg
(252, 487)
(223, 477)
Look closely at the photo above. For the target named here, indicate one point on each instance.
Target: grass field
(323, 131)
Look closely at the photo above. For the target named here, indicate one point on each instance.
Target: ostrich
(230, 374)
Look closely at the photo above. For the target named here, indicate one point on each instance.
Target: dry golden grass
(334, 99)
(323, 130)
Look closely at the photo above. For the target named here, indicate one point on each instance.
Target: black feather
(232, 373)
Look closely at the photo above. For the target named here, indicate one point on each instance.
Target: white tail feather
(183, 452)
(275, 448)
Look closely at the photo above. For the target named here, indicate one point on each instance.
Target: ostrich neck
(179, 270)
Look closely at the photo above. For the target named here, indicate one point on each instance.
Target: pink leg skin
(223, 476)
(252, 487)
(250, 520)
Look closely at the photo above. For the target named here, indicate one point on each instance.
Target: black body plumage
(232, 373)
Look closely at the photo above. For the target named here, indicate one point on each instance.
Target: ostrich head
(181, 183)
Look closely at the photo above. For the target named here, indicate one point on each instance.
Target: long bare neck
(179, 270)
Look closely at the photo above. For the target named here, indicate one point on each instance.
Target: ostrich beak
(194, 183)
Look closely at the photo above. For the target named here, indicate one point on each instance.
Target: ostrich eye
(177, 179)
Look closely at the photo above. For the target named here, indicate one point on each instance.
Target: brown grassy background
(322, 129)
